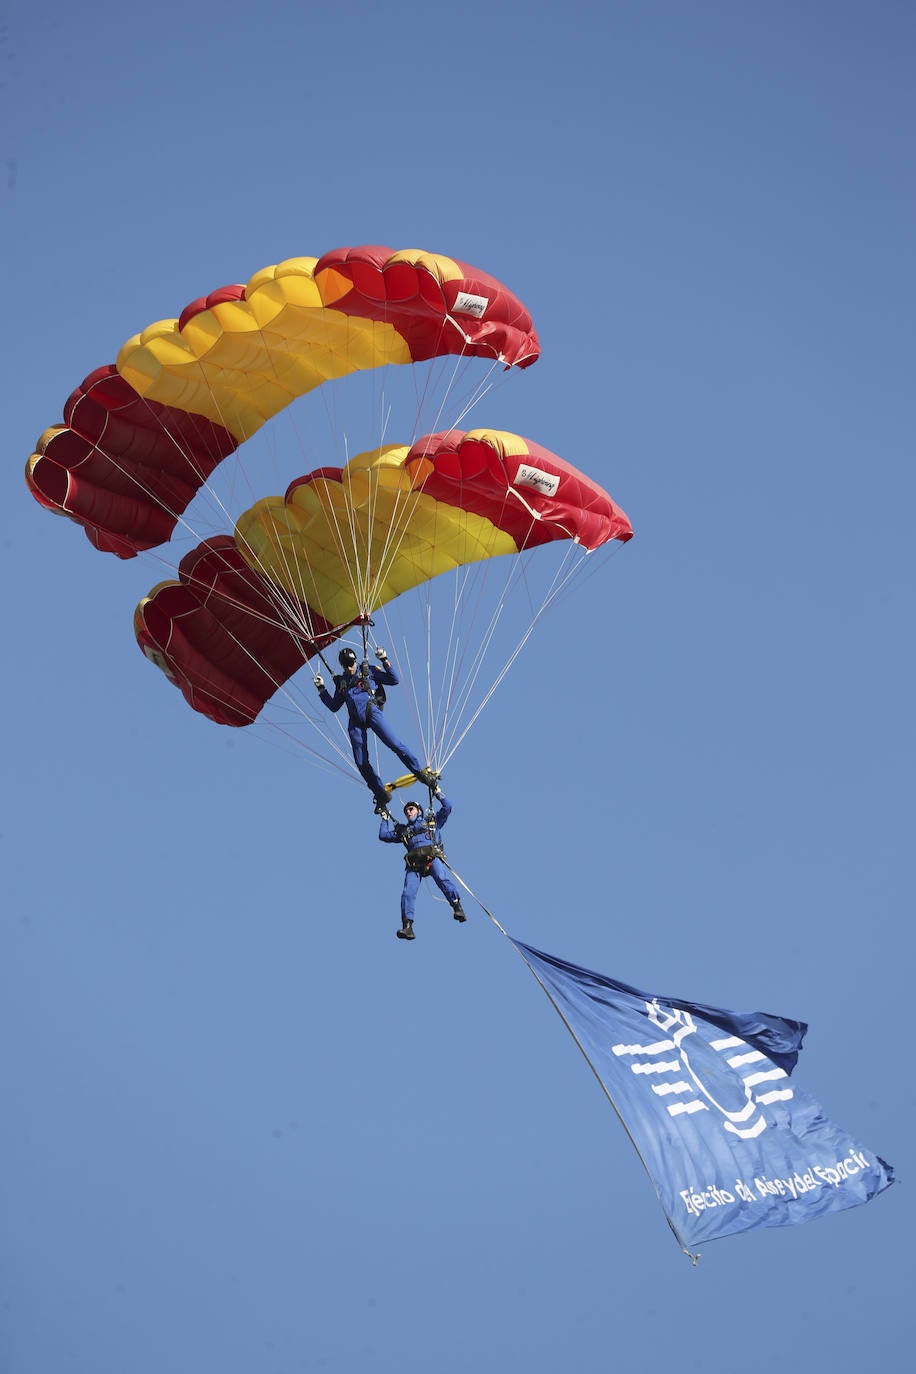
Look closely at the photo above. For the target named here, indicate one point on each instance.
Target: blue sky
(245, 1127)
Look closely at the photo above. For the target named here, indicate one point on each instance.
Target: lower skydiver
(421, 837)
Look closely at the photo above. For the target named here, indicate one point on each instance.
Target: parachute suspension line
(454, 706)
(405, 502)
(427, 719)
(550, 597)
(285, 619)
(132, 479)
(327, 730)
(481, 389)
(432, 720)
(464, 407)
(441, 388)
(281, 737)
(440, 706)
(368, 579)
(425, 729)
(346, 534)
(382, 539)
(299, 576)
(691, 1255)
(290, 596)
(286, 609)
(207, 487)
(453, 700)
(516, 572)
(450, 666)
(289, 608)
(368, 565)
(270, 730)
(354, 544)
(343, 525)
(297, 564)
(408, 680)
(291, 612)
(393, 532)
(452, 659)
(283, 690)
(355, 549)
(304, 577)
(461, 628)
(367, 561)
(293, 555)
(421, 399)
(429, 739)
(477, 667)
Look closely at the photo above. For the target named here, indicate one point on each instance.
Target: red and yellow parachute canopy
(246, 612)
(141, 437)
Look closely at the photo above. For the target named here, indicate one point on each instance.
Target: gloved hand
(437, 791)
(381, 654)
(318, 681)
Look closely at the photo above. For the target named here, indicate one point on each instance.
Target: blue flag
(705, 1095)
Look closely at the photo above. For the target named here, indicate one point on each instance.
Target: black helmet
(346, 657)
(415, 804)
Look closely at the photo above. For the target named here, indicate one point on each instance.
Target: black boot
(458, 913)
(406, 931)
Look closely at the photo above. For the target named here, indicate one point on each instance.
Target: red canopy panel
(219, 636)
(124, 467)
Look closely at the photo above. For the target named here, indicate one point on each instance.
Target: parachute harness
(420, 859)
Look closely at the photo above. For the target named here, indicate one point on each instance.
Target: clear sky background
(245, 1129)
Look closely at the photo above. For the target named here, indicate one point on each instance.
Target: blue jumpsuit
(413, 834)
(366, 715)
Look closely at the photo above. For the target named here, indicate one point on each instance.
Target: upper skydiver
(364, 694)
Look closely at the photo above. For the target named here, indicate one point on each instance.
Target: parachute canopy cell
(247, 612)
(141, 436)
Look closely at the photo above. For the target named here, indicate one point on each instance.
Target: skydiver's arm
(333, 703)
(388, 832)
(385, 676)
(444, 811)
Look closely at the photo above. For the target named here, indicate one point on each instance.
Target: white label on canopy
(544, 482)
(466, 304)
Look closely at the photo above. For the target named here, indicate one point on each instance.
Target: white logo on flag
(677, 1077)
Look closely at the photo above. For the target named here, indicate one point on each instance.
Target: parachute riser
(364, 621)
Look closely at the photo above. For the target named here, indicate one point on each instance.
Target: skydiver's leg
(439, 874)
(379, 724)
(408, 902)
(409, 894)
(360, 746)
